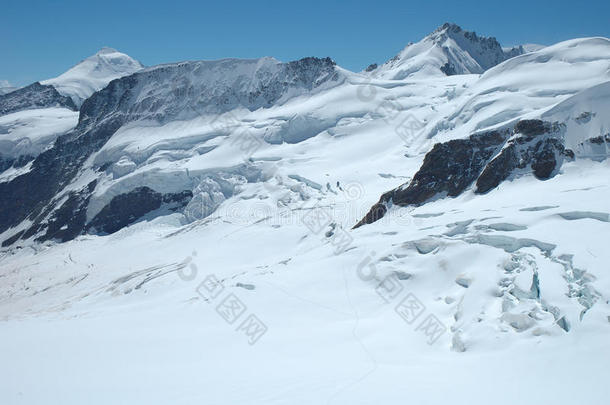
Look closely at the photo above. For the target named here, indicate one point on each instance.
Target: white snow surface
(518, 277)
(32, 131)
(93, 74)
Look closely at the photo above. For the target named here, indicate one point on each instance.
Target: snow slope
(587, 123)
(119, 304)
(32, 131)
(94, 73)
(522, 87)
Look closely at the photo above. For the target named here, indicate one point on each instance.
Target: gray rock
(34, 96)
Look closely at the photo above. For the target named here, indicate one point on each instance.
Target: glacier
(128, 225)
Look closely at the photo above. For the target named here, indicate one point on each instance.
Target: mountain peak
(455, 32)
(449, 26)
(448, 50)
(94, 73)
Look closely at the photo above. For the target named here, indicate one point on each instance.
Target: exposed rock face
(35, 194)
(34, 96)
(18, 162)
(448, 69)
(448, 169)
(488, 158)
(599, 140)
(535, 146)
(189, 89)
(68, 221)
(126, 209)
(161, 93)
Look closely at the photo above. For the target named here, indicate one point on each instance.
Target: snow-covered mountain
(450, 51)
(93, 74)
(154, 96)
(34, 116)
(482, 204)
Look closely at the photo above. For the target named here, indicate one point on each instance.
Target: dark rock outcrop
(487, 158)
(34, 96)
(448, 169)
(534, 146)
(448, 69)
(127, 208)
(531, 128)
(67, 222)
(6, 163)
(599, 140)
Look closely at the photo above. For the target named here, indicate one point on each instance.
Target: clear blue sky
(41, 39)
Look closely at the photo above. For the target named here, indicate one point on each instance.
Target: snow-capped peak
(449, 50)
(94, 73)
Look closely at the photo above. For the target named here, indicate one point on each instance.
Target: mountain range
(468, 178)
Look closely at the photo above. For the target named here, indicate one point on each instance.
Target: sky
(42, 39)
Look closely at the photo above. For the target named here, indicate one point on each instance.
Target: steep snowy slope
(28, 133)
(450, 51)
(524, 86)
(31, 118)
(150, 97)
(587, 122)
(25, 134)
(94, 73)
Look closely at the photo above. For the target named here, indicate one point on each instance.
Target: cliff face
(32, 97)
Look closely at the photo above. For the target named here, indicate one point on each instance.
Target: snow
(94, 73)
(339, 340)
(517, 277)
(584, 115)
(32, 131)
(524, 86)
(532, 47)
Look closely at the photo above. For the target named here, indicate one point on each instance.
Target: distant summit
(94, 73)
(449, 50)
